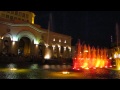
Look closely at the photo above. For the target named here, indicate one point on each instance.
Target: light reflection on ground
(36, 71)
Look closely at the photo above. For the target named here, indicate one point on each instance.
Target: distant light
(119, 68)
(87, 68)
(65, 41)
(1, 37)
(13, 69)
(105, 66)
(85, 50)
(110, 58)
(36, 42)
(65, 72)
(15, 38)
(58, 46)
(54, 39)
(115, 55)
(110, 66)
(46, 45)
(59, 40)
(47, 56)
(118, 55)
(64, 48)
(13, 42)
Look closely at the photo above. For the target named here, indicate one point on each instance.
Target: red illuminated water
(89, 57)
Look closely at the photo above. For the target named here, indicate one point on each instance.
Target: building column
(34, 49)
(64, 52)
(1, 45)
(59, 50)
(14, 47)
(53, 49)
(69, 48)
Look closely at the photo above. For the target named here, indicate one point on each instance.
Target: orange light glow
(65, 72)
(93, 58)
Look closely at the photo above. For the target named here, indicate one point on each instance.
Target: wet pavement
(37, 71)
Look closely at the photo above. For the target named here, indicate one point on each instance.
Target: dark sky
(91, 27)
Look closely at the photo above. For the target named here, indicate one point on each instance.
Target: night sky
(91, 27)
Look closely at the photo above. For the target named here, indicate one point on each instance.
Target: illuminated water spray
(47, 53)
(47, 50)
(87, 57)
(117, 59)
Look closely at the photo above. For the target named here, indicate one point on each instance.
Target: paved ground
(36, 71)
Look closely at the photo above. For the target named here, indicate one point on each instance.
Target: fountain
(117, 58)
(86, 57)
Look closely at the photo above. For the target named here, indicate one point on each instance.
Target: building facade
(20, 36)
(25, 16)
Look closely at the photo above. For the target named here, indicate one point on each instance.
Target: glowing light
(54, 39)
(14, 38)
(58, 46)
(64, 48)
(65, 41)
(46, 45)
(106, 67)
(47, 56)
(13, 42)
(36, 45)
(110, 66)
(65, 72)
(36, 42)
(53, 47)
(13, 69)
(87, 68)
(117, 63)
(1, 37)
(118, 55)
(46, 67)
(118, 68)
(110, 58)
(85, 50)
(59, 40)
(115, 55)
(69, 48)
(32, 20)
(47, 53)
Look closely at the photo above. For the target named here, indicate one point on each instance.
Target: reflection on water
(46, 67)
(11, 75)
(34, 66)
(11, 65)
(36, 71)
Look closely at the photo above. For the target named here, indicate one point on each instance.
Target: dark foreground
(38, 71)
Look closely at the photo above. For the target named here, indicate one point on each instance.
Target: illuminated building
(25, 16)
(19, 35)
